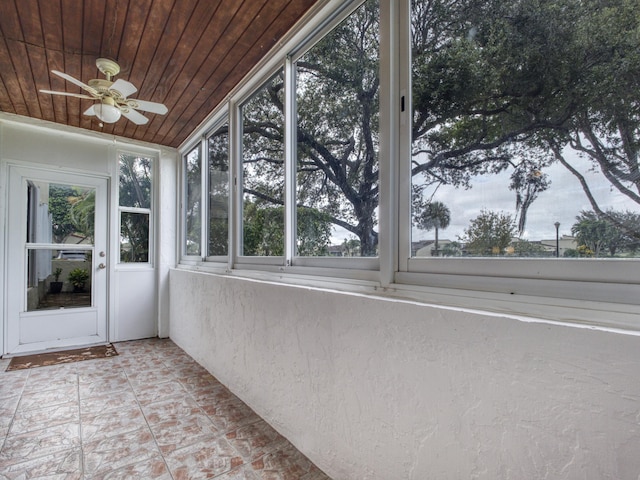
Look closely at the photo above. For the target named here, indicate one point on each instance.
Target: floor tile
(112, 374)
(8, 408)
(138, 415)
(203, 460)
(12, 383)
(241, 473)
(39, 443)
(145, 377)
(114, 422)
(286, 464)
(4, 364)
(35, 419)
(66, 394)
(170, 408)
(184, 431)
(104, 386)
(104, 403)
(230, 415)
(63, 465)
(152, 469)
(53, 371)
(255, 440)
(155, 392)
(37, 384)
(137, 364)
(199, 380)
(119, 451)
(212, 394)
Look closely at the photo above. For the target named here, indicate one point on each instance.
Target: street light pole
(557, 225)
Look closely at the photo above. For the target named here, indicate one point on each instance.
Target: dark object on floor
(68, 356)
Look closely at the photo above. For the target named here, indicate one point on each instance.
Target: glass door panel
(58, 278)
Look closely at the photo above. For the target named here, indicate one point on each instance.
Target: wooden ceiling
(187, 54)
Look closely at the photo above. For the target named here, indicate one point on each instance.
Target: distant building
(565, 242)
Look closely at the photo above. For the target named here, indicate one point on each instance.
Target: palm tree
(436, 215)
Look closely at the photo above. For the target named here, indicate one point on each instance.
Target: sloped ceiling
(187, 54)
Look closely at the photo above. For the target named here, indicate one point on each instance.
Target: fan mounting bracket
(108, 67)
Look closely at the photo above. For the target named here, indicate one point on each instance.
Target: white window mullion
(204, 198)
(235, 188)
(290, 162)
(389, 149)
(403, 38)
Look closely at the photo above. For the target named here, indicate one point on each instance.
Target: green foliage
(501, 85)
(82, 213)
(218, 148)
(134, 190)
(134, 234)
(135, 181)
(498, 86)
(489, 234)
(56, 274)
(264, 232)
(337, 110)
(193, 171)
(452, 249)
(434, 215)
(72, 211)
(59, 208)
(598, 235)
(524, 248)
(78, 277)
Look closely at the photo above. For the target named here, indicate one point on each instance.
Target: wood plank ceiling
(187, 54)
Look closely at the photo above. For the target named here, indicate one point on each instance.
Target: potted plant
(78, 278)
(56, 285)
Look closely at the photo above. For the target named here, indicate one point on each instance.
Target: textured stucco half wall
(370, 388)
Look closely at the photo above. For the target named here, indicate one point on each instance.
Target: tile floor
(149, 413)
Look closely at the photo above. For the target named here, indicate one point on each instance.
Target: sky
(561, 202)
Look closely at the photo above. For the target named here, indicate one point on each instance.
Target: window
(524, 136)
(263, 172)
(135, 194)
(337, 99)
(478, 145)
(218, 161)
(192, 202)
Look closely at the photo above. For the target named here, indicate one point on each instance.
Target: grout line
(155, 440)
(80, 425)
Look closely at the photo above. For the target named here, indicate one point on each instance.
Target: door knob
(102, 266)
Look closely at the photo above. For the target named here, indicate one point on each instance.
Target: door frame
(17, 174)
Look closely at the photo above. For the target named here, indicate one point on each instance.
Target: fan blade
(135, 117)
(125, 88)
(90, 111)
(76, 95)
(145, 106)
(77, 82)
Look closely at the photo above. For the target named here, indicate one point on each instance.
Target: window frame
(565, 290)
(573, 279)
(238, 182)
(148, 211)
(220, 121)
(183, 178)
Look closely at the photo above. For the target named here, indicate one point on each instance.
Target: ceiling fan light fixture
(107, 113)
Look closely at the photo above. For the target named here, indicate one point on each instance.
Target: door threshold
(53, 349)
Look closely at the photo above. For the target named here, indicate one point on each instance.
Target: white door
(56, 274)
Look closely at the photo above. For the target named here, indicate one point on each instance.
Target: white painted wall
(35, 142)
(372, 388)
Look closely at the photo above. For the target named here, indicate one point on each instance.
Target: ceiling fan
(112, 96)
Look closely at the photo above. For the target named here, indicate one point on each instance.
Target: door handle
(102, 266)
